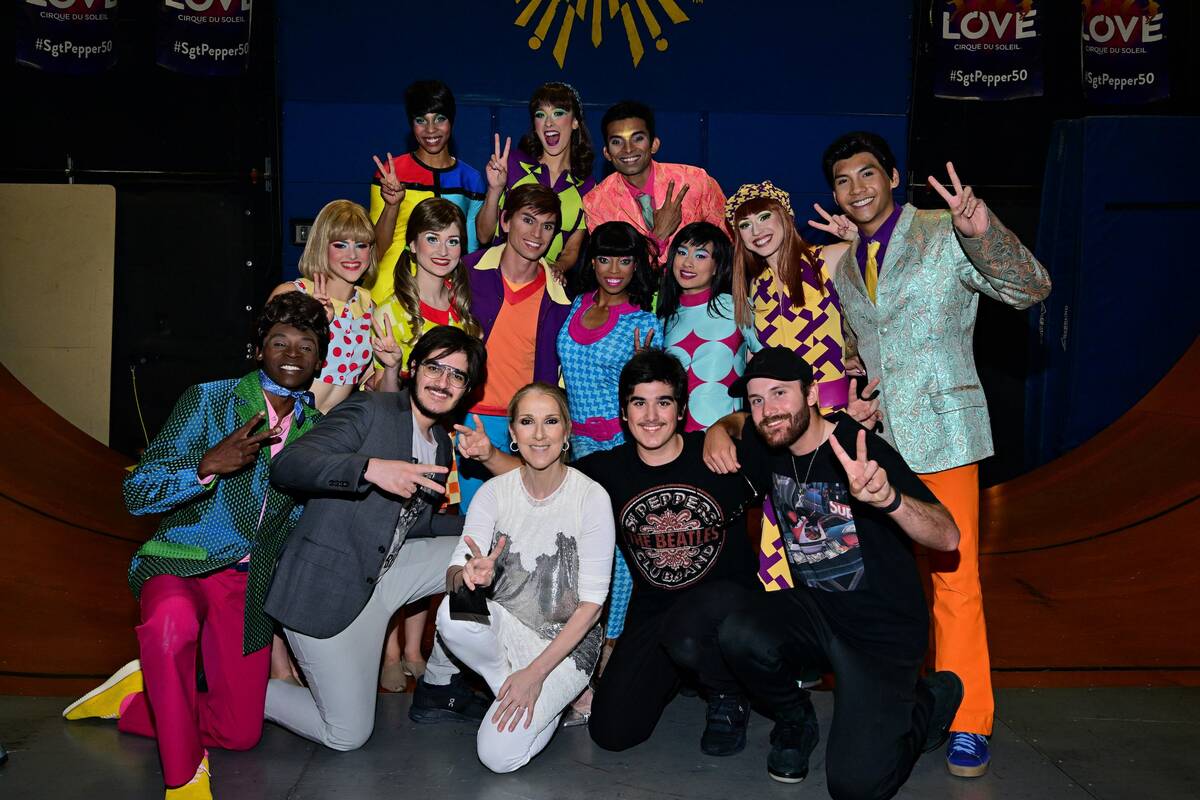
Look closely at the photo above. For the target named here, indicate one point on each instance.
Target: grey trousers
(337, 708)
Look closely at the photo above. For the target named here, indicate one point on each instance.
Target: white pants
(338, 707)
(476, 645)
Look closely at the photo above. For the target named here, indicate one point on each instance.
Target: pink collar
(697, 299)
(585, 335)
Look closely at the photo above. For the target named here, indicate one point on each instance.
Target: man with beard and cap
(370, 542)
(849, 509)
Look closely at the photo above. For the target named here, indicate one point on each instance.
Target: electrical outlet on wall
(300, 230)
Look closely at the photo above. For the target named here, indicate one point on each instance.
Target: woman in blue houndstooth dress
(610, 319)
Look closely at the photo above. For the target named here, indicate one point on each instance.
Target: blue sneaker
(967, 754)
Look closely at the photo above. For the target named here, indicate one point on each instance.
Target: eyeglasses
(433, 370)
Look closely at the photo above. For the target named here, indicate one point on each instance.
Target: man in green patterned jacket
(910, 284)
(202, 578)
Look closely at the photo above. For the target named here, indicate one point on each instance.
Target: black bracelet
(892, 506)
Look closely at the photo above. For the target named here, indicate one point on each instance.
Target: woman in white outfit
(541, 537)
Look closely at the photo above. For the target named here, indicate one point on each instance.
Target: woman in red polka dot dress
(339, 258)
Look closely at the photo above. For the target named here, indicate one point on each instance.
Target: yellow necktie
(872, 271)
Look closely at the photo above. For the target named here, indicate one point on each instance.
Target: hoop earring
(566, 445)
(513, 447)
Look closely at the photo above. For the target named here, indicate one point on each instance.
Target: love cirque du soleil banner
(987, 49)
(1125, 51)
(73, 37)
(204, 37)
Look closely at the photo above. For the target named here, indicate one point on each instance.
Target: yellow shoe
(105, 700)
(198, 788)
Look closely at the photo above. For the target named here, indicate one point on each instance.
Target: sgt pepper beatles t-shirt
(678, 524)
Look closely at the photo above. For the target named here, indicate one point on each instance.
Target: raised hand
(868, 481)
(640, 344)
(474, 442)
(390, 187)
(402, 477)
(864, 411)
(969, 213)
(838, 225)
(517, 697)
(497, 166)
(236, 450)
(383, 343)
(668, 216)
(480, 570)
(321, 294)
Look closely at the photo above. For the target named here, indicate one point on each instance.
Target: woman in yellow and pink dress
(431, 289)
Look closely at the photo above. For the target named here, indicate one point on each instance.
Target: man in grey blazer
(370, 542)
(910, 284)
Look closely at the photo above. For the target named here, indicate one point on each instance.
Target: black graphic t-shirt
(856, 562)
(678, 524)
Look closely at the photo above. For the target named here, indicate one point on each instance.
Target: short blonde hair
(338, 220)
(538, 387)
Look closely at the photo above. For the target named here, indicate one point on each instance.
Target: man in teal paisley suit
(910, 285)
(202, 578)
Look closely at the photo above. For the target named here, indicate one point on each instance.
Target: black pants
(880, 712)
(644, 671)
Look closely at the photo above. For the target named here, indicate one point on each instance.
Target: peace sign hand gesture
(969, 213)
(321, 294)
(480, 569)
(838, 225)
(497, 166)
(474, 442)
(668, 216)
(868, 481)
(236, 450)
(390, 187)
(383, 344)
(864, 410)
(640, 344)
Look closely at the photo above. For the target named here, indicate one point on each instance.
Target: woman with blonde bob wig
(339, 260)
(535, 558)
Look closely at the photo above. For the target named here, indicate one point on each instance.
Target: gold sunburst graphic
(578, 10)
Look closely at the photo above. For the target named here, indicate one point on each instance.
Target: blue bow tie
(300, 396)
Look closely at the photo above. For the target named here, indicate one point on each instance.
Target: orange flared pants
(959, 631)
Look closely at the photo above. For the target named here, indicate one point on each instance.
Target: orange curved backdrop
(1090, 562)
(68, 614)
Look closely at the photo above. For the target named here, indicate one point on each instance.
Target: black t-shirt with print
(854, 560)
(678, 524)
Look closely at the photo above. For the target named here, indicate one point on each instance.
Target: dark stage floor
(1048, 743)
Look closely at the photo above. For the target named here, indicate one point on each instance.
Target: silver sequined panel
(545, 598)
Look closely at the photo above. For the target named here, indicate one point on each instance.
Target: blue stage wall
(748, 90)
(1119, 213)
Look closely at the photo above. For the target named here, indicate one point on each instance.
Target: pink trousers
(183, 617)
